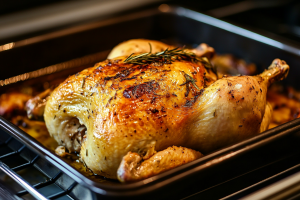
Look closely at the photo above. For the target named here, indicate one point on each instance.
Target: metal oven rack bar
(32, 177)
(22, 182)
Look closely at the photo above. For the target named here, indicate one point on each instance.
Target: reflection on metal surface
(265, 181)
(220, 159)
(283, 189)
(244, 6)
(23, 183)
(148, 180)
(235, 29)
(164, 8)
(81, 28)
(61, 14)
(7, 46)
(90, 59)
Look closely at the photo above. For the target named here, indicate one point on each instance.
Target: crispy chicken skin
(134, 168)
(142, 46)
(133, 113)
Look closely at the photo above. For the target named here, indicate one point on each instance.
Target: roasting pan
(36, 60)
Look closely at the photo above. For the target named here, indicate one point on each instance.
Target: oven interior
(230, 180)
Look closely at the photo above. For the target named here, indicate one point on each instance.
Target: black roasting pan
(78, 47)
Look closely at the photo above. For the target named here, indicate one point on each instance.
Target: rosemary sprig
(166, 56)
(83, 82)
(189, 79)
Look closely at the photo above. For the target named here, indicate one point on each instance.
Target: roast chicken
(136, 115)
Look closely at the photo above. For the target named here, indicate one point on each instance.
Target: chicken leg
(133, 168)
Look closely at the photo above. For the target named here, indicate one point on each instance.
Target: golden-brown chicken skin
(125, 108)
(142, 46)
(114, 109)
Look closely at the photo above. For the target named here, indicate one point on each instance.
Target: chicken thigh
(133, 117)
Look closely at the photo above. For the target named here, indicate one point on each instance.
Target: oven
(259, 168)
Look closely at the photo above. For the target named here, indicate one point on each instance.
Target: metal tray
(84, 45)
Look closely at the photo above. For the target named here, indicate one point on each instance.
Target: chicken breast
(131, 111)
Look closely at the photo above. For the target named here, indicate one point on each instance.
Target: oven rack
(22, 168)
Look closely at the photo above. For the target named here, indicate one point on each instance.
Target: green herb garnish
(189, 80)
(167, 56)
